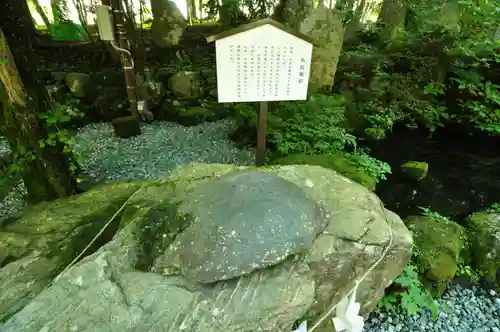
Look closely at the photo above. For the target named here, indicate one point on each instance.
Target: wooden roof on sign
(256, 24)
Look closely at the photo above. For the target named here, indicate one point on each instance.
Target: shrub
(312, 126)
(316, 127)
(413, 298)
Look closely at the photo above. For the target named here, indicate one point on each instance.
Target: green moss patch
(338, 163)
(483, 230)
(437, 247)
(415, 170)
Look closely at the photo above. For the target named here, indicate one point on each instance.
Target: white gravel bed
(468, 310)
(160, 147)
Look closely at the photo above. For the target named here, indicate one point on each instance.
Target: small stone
(126, 127)
(479, 329)
(415, 170)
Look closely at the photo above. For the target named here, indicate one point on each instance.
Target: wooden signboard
(262, 61)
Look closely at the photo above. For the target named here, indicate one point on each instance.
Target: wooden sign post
(262, 61)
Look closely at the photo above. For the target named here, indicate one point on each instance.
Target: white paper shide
(346, 318)
(347, 314)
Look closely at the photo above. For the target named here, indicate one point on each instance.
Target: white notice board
(262, 64)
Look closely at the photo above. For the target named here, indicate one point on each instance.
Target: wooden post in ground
(269, 62)
(260, 158)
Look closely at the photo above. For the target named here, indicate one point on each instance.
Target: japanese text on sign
(264, 64)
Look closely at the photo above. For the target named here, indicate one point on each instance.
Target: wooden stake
(260, 157)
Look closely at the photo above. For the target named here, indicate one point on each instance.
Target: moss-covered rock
(375, 133)
(415, 170)
(338, 163)
(126, 126)
(186, 85)
(48, 236)
(483, 230)
(438, 243)
(197, 215)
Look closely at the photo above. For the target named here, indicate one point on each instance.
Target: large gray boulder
(324, 25)
(168, 23)
(144, 280)
(244, 221)
(186, 85)
(34, 248)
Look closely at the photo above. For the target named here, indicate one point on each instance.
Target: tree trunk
(192, 10)
(42, 14)
(82, 17)
(134, 38)
(293, 12)
(46, 171)
(230, 14)
(353, 25)
(392, 18)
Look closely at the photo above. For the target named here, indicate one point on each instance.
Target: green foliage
(446, 68)
(312, 126)
(473, 50)
(55, 120)
(414, 298)
(434, 215)
(68, 31)
(467, 271)
(483, 107)
(187, 64)
(385, 96)
(377, 169)
(495, 208)
(239, 11)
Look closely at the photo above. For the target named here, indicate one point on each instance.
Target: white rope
(98, 234)
(358, 282)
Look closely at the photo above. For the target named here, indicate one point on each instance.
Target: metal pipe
(119, 49)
